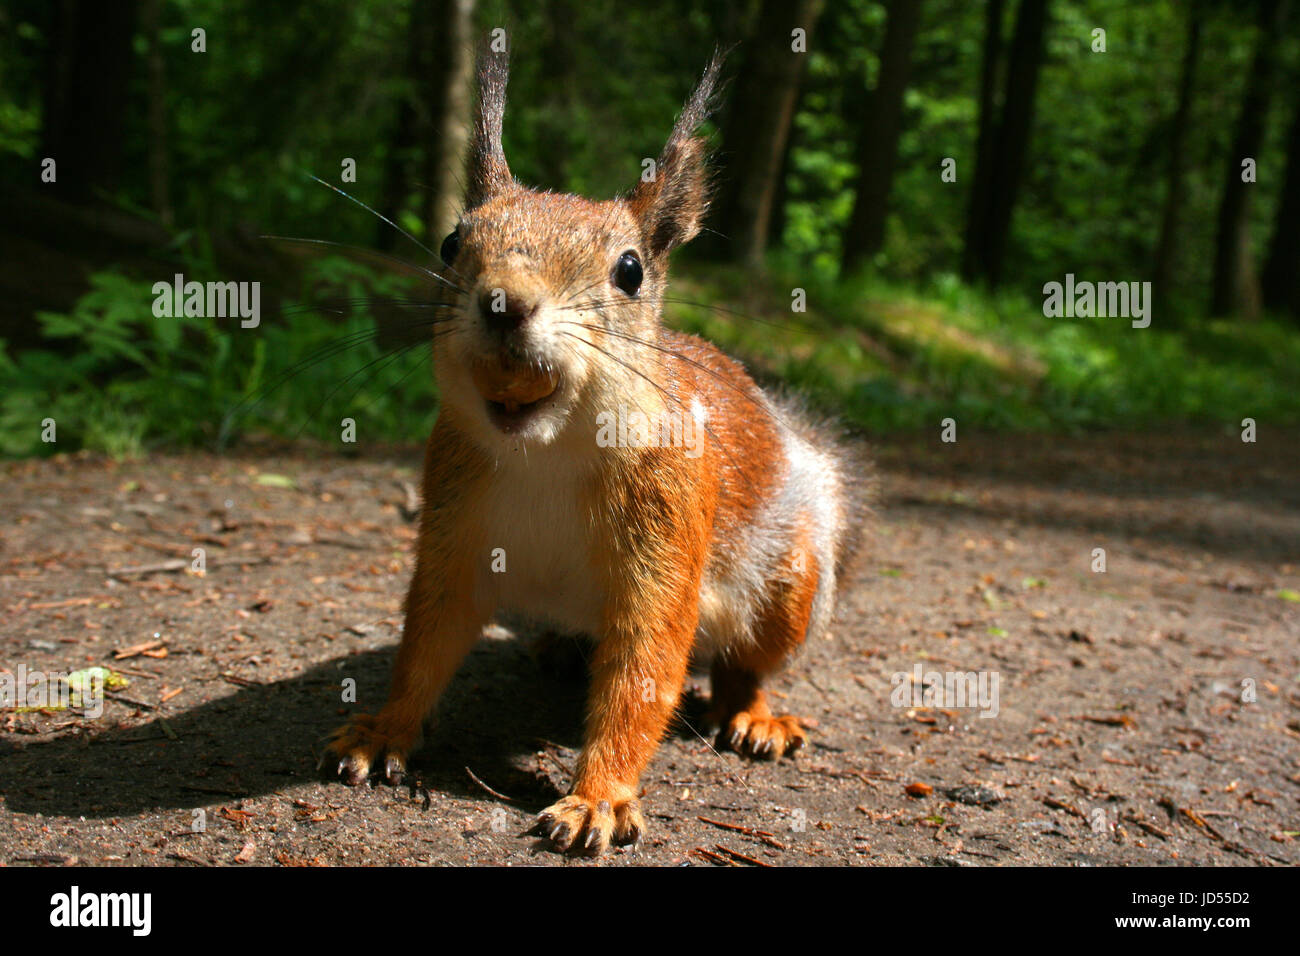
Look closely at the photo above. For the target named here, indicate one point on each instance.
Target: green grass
(888, 358)
(118, 380)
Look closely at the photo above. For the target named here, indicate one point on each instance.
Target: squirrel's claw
(764, 738)
(362, 749)
(590, 826)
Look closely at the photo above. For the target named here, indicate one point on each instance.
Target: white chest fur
(537, 559)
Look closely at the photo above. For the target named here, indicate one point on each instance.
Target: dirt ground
(1149, 714)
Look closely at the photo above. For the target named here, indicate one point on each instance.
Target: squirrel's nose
(503, 312)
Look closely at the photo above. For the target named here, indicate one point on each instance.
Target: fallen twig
(122, 653)
(499, 796)
(1148, 827)
(130, 701)
(764, 835)
(712, 857)
(1062, 805)
(740, 856)
(179, 564)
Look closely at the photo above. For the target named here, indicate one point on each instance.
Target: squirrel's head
(560, 293)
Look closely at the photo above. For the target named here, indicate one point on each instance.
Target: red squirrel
(726, 550)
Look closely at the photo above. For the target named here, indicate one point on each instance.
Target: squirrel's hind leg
(739, 707)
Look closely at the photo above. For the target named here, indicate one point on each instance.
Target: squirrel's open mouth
(515, 395)
(512, 417)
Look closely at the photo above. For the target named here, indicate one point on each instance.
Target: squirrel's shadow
(501, 709)
(497, 712)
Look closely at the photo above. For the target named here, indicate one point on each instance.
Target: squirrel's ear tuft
(671, 205)
(488, 171)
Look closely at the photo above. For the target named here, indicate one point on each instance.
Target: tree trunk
(986, 141)
(1231, 278)
(451, 89)
(776, 226)
(1023, 67)
(159, 178)
(400, 159)
(559, 58)
(1281, 279)
(431, 133)
(758, 126)
(1166, 253)
(85, 94)
(877, 146)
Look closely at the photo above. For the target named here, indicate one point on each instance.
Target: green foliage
(881, 356)
(118, 379)
(1095, 179)
(287, 89)
(886, 357)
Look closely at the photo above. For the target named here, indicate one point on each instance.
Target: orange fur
(650, 548)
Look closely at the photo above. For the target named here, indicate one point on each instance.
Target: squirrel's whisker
(377, 365)
(672, 398)
(677, 355)
(378, 215)
(392, 388)
(330, 350)
(345, 307)
(389, 261)
(670, 300)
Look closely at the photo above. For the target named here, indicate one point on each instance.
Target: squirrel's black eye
(627, 273)
(450, 246)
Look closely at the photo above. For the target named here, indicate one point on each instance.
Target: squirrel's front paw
(590, 826)
(364, 746)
